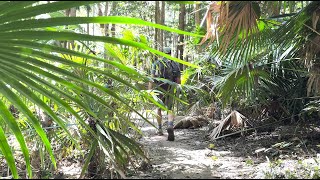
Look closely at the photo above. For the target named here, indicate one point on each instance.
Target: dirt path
(189, 157)
(275, 154)
(285, 152)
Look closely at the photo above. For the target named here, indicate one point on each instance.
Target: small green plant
(301, 169)
(211, 146)
(249, 162)
(290, 175)
(273, 172)
(214, 158)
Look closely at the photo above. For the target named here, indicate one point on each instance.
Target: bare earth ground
(188, 157)
(257, 155)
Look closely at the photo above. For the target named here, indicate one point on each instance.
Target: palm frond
(29, 69)
(236, 20)
(233, 120)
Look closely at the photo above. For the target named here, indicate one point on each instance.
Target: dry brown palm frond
(233, 120)
(195, 110)
(309, 52)
(191, 122)
(313, 83)
(315, 18)
(235, 18)
(211, 29)
(210, 111)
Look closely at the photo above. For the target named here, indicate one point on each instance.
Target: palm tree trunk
(93, 164)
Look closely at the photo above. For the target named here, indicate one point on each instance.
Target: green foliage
(249, 162)
(198, 30)
(306, 169)
(265, 65)
(33, 71)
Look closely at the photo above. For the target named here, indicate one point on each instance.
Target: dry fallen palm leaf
(233, 120)
(191, 122)
(210, 111)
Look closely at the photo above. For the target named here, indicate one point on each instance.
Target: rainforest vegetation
(74, 77)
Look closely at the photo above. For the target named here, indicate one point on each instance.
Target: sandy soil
(193, 156)
(189, 157)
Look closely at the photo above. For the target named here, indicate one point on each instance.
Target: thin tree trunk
(162, 19)
(180, 46)
(100, 13)
(93, 15)
(291, 6)
(197, 15)
(197, 21)
(88, 15)
(106, 26)
(106, 29)
(113, 27)
(156, 34)
(70, 13)
(276, 8)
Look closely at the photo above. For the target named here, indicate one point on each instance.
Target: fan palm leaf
(28, 69)
(262, 50)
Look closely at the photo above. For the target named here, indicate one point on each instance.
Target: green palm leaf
(28, 69)
(4, 90)
(8, 119)
(7, 6)
(62, 21)
(48, 35)
(5, 148)
(23, 12)
(49, 48)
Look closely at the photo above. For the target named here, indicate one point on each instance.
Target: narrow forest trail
(261, 155)
(188, 157)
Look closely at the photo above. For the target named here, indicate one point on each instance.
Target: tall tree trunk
(88, 15)
(93, 15)
(197, 21)
(180, 46)
(156, 34)
(113, 27)
(106, 26)
(162, 19)
(106, 30)
(197, 15)
(100, 13)
(70, 13)
(291, 6)
(276, 6)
